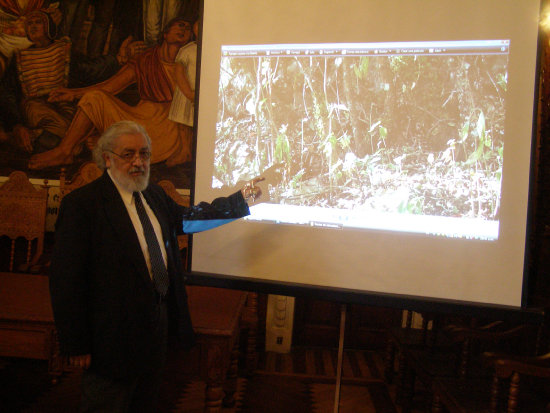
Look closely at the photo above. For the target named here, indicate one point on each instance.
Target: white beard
(137, 184)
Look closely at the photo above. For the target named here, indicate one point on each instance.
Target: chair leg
(230, 385)
(402, 368)
(407, 393)
(495, 395)
(389, 362)
(437, 406)
(513, 396)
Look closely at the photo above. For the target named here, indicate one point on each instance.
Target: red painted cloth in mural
(151, 77)
(171, 141)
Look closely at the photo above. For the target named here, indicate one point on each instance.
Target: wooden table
(216, 315)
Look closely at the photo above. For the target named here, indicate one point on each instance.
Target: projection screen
(395, 138)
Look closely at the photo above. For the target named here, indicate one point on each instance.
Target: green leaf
(465, 131)
(282, 148)
(383, 132)
(481, 125)
(475, 156)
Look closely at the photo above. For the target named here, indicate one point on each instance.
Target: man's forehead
(134, 141)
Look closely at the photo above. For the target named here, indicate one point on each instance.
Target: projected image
(392, 136)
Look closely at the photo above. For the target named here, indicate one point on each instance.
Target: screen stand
(340, 357)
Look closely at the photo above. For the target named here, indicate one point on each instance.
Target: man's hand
(62, 94)
(250, 190)
(129, 49)
(82, 361)
(23, 137)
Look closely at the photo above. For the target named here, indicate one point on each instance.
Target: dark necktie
(160, 274)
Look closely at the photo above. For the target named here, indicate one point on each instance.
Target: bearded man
(116, 280)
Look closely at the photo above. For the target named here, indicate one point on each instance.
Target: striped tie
(160, 274)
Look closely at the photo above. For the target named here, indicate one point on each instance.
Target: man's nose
(138, 161)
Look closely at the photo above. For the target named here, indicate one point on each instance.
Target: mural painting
(70, 68)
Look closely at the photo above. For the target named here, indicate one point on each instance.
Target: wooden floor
(301, 382)
(363, 388)
(358, 365)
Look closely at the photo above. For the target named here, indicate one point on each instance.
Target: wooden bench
(26, 320)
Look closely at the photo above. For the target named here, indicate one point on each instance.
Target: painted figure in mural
(13, 37)
(100, 51)
(27, 119)
(112, 22)
(98, 108)
(12, 25)
(183, 103)
(156, 14)
(41, 68)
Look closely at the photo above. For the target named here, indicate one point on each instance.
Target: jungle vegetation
(408, 134)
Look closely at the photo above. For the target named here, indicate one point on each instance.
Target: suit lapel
(117, 215)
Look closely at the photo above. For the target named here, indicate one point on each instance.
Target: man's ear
(107, 159)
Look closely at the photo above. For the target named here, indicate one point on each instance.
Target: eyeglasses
(131, 156)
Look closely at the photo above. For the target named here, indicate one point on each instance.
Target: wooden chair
(480, 391)
(23, 215)
(87, 173)
(404, 336)
(404, 340)
(533, 372)
(180, 199)
(458, 356)
(26, 319)
(171, 191)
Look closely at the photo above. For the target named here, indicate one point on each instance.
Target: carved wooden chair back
(180, 199)
(87, 173)
(171, 191)
(23, 215)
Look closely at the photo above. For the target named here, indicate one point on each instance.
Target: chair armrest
(505, 365)
(485, 333)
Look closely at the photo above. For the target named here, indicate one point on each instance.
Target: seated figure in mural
(13, 36)
(98, 108)
(41, 68)
(27, 119)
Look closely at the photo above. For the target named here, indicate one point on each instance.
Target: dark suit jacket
(102, 295)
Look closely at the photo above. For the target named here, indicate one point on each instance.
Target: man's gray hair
(107, 141)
